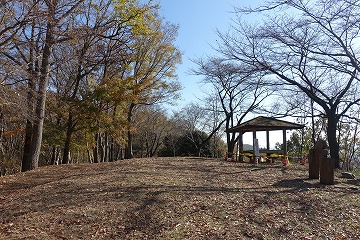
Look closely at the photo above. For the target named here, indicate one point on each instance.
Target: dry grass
(176, 198)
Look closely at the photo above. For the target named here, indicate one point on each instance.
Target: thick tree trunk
(41, 100)
(231, 146)
(37, 131)
(66, 154)
(332, 140)
(230, 137)
(1, 145)
(26, 164)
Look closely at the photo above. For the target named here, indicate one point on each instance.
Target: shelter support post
(254, 147)
(263, 124)
(268, 159)
(284, 142)
(241, 147)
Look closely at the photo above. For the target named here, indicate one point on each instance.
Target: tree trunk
(121, 153)
(174, 150)
(213, 132)
(332, 140)
(231, 146)
(89, 155)
(230, 137)
(70, 122)
(156, 148)
(37, 132)
(96, 149)
(128, 149)
(2, 152)
(69, 132)
(66, 154)
(53, 155)
(101, 145)
(112, 150)
(88, 151)
(36, 140)
(106, 148)
(26, 164)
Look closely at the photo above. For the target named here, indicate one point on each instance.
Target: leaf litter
(176, 198)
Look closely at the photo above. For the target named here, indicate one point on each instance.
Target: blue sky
(198, 20)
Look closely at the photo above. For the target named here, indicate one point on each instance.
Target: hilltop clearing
(176, 198)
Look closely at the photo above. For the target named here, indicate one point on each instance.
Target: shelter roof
(265, 124)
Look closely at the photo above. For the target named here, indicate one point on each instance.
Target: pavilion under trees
(263, 124)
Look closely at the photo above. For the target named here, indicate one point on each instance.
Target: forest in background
(83, 81)
(88, 81)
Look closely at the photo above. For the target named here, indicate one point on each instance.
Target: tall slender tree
(57, 12)
(152, 68)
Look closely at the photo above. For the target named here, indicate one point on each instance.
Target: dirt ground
(177, 198)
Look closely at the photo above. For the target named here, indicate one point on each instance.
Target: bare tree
(239, 91)
(39, 26)
(312, 48)
(13, 16)
(349, 137)
(151, 126)
(54, 22)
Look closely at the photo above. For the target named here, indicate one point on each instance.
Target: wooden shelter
(264, 124)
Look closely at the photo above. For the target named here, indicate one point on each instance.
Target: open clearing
(177, 198)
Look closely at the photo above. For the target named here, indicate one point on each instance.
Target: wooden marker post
(313, 165)
(319, 164)
(327, 171)
(315, 157)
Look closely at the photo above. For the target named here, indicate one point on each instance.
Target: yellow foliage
(136, 15)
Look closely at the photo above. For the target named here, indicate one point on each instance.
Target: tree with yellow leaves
(152, 67)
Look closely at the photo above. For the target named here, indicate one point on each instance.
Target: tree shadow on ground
(296, 184)
(307, 184)
(142, 218)
(355, 182)
(139, 201)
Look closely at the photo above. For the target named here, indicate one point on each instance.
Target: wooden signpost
(320, 164)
